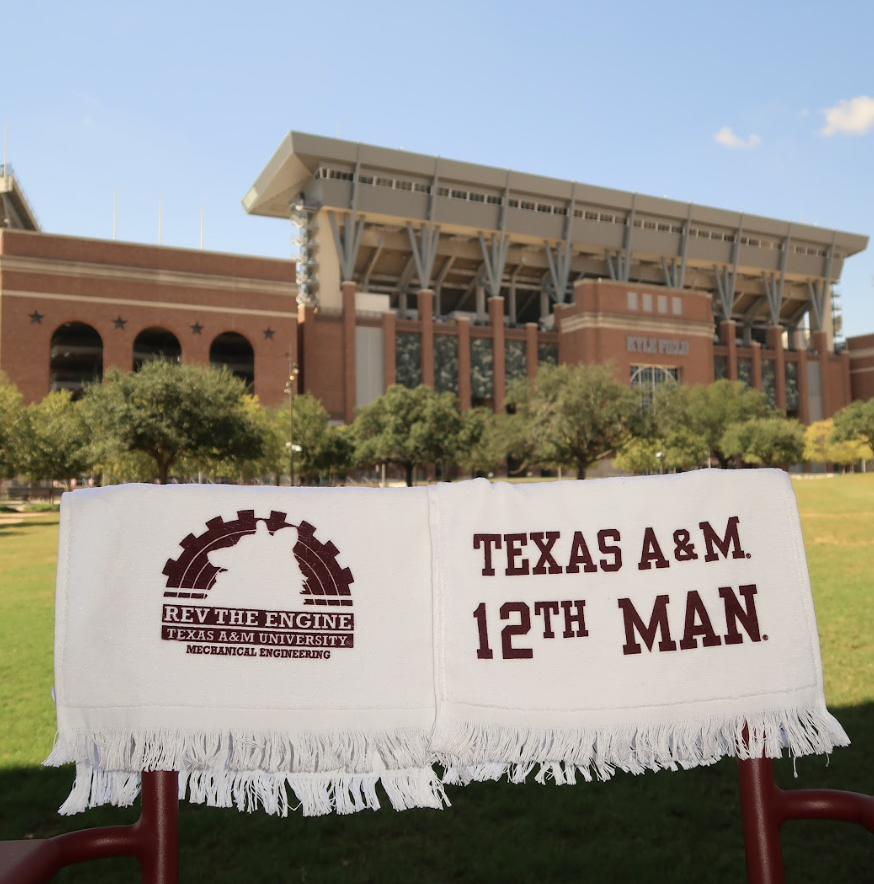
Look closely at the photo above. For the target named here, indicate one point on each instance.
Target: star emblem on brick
(196, 329)
(36, 317)
(118, 322)
(268, 334)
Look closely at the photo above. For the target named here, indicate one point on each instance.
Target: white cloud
(853, 117)
(726, 137)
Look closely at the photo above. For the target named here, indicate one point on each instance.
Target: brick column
(820, 344)
(845, 380)
(803, 410)
(499, 369)
(389, 366)
(775, 342)
(728, 336)
(531, 350)
(756, 366)
(349, 392)
(306, 335)
(464, 363)
(425, 305)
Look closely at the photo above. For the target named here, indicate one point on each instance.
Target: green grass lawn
(682, 827)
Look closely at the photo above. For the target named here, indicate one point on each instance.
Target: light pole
(294, 370)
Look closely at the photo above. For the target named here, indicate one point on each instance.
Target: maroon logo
(192, 575)
(254, 571)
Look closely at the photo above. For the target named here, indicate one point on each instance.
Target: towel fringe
(240, 750)
(316, 794)
(562, 753)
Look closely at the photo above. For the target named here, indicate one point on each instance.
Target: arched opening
(156, 343)
(233, 351)
(645, 379)
(75, 358)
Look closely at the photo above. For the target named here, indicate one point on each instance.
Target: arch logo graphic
(258, 586)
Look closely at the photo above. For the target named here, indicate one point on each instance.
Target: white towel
(623, 623)
(251, 638)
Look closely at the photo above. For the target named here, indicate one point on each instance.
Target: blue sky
(766, 108)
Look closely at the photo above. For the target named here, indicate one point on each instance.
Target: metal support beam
(773, 296)
(684, 247)
(560, 263)
(629, 239)
(348, 241)
(817, 290)
(424, 250)
(559, 270)
(438, 283)
(494, 261)
(371, 263)
(726, 282)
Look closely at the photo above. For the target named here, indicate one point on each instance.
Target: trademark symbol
(749, 555)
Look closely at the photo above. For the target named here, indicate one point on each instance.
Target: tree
(410, 428)
(576, 415)
(319, 447)
(482, 442)
(11, 411)
(855, 422)
(710, 410)
(820, 446)
(817, 441)
(170, 411)
(766, 442)
(53, 440)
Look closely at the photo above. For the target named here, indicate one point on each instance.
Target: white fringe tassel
(316, 794)
(561, 754)
(238, 750)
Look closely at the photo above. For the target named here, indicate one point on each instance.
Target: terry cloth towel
(637, 624)
(252, 639)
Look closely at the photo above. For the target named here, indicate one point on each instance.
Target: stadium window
(385, 182)
(404, 185)
(513, 204)
(591, 216)
(664, 228)
(631, 300)
(459, 194)
(493, 200)
(477, 197)
(647, 302)
(677, 305)
(662, 301)
(442, 191)
(543, 207)
(527, 205)
(421, 188)
(366, 179)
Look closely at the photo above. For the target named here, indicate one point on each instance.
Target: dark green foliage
(410, 428)
(574, 415)
(169, 411)
(855, 422)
